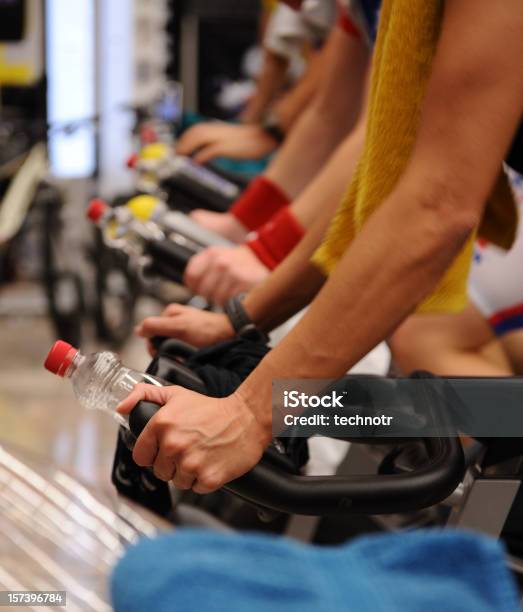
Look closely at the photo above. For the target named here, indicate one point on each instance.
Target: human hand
(218, 273)
(224, 224)
(198, 442)
(197, 327)
(206, 141)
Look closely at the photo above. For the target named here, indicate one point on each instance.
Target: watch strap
(240, 320)
(271, 126)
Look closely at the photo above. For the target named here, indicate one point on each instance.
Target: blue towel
(425, 571)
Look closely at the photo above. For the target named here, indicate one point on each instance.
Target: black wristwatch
(271, 126)
(240, 320)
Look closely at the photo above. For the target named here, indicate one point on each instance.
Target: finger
(149, 325)
(187, 468)
(164, 467)
(143, 391)
(172, 310)
(210, 283)
(196, 268)
(192, 139)
(207, 484)
(183, 480)
(224, 289)
(206, 153)
(160, 326)
(146, 447)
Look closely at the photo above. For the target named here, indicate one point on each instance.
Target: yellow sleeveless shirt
(405, 48)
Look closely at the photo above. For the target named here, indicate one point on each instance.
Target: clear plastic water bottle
(120, 229)
(175, 224)
(100, 381)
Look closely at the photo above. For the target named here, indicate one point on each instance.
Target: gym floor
(63, 526)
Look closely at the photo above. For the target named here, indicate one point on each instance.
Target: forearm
(365, 298)
(296, 281)
(271, 80)
(330, 116)
(289, 109)
(472, 107)
(305, 150)
(291, 286)
(322, 196)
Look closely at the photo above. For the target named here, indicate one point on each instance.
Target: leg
(512, 342)
(449, 344)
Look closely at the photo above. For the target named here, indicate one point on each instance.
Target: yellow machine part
(154, 151)
(142, 206)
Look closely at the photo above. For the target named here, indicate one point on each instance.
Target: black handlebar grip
(169, 255)
(200, 191)
(173, 347)
(157, 341)
(140, 416)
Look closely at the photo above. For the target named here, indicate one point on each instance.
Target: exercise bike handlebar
(271, 487)
(169, 259)
(276, 489)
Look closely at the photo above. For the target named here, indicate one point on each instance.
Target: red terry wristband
(276, 239)
(259, 202)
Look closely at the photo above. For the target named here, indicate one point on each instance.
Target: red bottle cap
(60, 357)
(96, 210)
(133, 160)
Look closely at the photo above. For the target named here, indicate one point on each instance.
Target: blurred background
(80, 84)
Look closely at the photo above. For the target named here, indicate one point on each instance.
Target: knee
(408, 348)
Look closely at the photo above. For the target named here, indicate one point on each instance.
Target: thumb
(197, 267)
(190, 141)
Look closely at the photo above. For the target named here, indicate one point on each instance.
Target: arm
(271, 80)
(333, 112)
(331, 115)
(326, 190)
(406, 246)
(218, 139)
(293, 284)
(287, 289)
(218, 273)
(283, 39)
(401, 252)
(289, 109)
